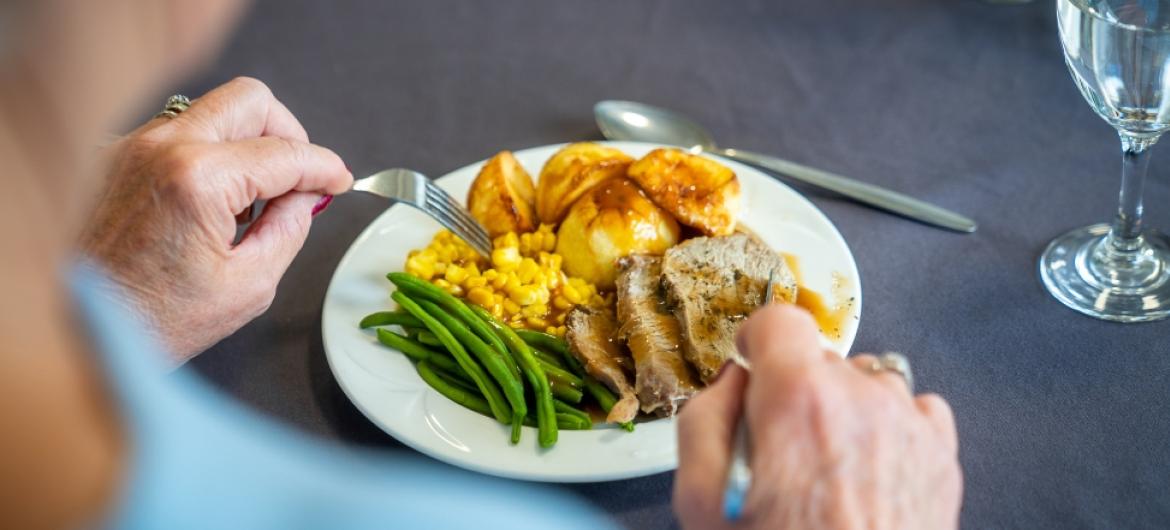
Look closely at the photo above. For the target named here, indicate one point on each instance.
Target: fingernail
(322, 204)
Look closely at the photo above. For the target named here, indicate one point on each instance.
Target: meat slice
(713, 283)
(663, 379)
(592, 336)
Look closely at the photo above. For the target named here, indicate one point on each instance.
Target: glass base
(1082, 270)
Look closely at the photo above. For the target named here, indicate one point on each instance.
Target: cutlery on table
(414, 188)
(631, 121)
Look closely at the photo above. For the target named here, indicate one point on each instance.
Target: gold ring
(175, 105)
(895, 363)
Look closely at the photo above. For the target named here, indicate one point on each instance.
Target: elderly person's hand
(835, 446)
(165, 228)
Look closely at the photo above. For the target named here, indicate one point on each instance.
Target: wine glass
(1119, 55)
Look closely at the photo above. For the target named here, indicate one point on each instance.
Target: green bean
(418, 352)
(390, 318)
(546, 420)
(544, 341)
(565, 408)
(573, 423)
(512, 387)
(565, 392)
(546, 358)
(485, 384)
(429, 339)
(556, 375)
(605, 398)
(408, 347)
(416, 286)
(460, 396)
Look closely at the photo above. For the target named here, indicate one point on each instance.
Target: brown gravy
(830, 318)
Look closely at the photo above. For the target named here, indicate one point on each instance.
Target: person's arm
(165, 226)
(834, 445)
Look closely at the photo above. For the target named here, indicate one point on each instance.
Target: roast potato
(612, 221)
(698, 191)
(501, 196)
(571, 172)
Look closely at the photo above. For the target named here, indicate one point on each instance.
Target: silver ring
(175, 105)
(895, 363)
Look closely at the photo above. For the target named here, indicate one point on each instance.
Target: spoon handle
(885, 199)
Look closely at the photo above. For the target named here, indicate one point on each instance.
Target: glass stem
(1126, 234)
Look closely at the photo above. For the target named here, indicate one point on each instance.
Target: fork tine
(457, 225)
(447, 220)
(460, 213)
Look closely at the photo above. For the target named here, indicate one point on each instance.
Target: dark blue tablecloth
(1063, 419)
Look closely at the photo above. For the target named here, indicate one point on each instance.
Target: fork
(739, 475)
(414, 188)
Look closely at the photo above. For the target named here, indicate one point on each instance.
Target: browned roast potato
(501, 196)
(571, 172)
(612, 221)
(698, 191)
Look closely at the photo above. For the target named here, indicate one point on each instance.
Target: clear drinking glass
(1119, 55)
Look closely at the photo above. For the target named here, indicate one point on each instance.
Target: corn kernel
(523, 295)
(535, 310)
(511, 308)
(561, 303)
(499, 282)
(442, 284)
(571, 293)
(475, 281)
(456, 275)
(551, 330)
(561, 318)
(490, 274)
(527, 270)
(506, 259)
(550, 241)
(536, 323)
(480, 296)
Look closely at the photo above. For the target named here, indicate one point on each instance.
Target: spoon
(631, 121)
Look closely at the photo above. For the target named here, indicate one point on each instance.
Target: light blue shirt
(202, 461)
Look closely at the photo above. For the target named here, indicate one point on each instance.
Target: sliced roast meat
(592, 336)
(663, 379)
(712, 283)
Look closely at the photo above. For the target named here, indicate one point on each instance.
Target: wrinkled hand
(165, 227)
(834, 446)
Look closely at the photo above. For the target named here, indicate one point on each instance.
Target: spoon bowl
(638, 122)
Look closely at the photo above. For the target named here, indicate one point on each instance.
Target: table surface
(1063, 420)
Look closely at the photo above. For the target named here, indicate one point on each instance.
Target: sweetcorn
(522, 284)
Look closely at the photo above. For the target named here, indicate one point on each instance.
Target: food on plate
(572, 172)
(522, 284)
(612, 221)
(699, 192)
(479, 362)
(663, 378)
(713, 283)
(502, 196)
(589, 300)
(592, 337)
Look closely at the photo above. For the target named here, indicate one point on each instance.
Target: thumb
(274, 239)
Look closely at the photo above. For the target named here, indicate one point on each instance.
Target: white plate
(385, 387)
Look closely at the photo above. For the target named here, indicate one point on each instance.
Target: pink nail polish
(322, 204)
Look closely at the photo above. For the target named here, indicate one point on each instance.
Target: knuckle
(182, 167)
(251, 84)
